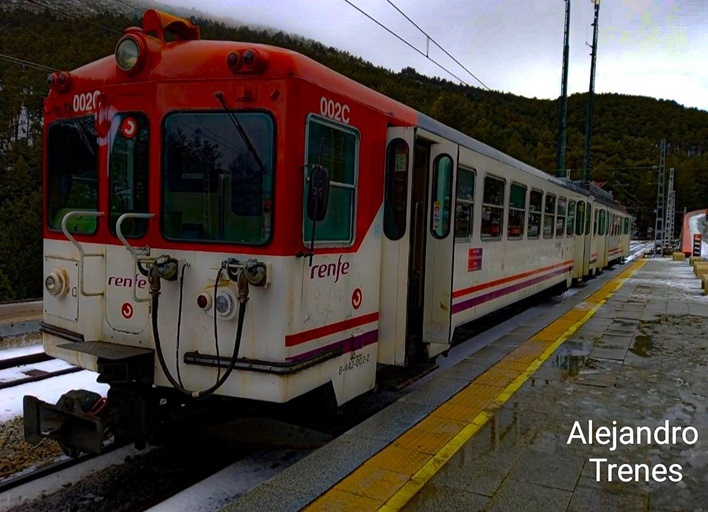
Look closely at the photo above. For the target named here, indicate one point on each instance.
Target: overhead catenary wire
(438, 44)
(407, 43)
(22, 62)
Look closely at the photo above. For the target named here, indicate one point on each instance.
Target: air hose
(242, 299)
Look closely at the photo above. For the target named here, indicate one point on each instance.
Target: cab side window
(337, 148)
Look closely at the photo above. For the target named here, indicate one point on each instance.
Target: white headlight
(54, 283)
(224, 304)
(127, 54)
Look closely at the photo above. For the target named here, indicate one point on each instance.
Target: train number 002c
(85, 102)
(334, 110)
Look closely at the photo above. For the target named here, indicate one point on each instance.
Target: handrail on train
(82, 254)
(133, 251)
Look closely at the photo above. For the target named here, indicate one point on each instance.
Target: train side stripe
(515, 277)
(292, 340)
(347, 345)
(481, 299)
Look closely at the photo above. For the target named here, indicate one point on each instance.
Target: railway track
(12, 362)
(33, 374)
(39, 375)
(636, 247)
(55, 467)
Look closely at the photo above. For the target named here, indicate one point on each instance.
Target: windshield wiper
(83, 134)
(239, 128)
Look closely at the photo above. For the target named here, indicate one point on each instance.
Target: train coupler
(74, 422)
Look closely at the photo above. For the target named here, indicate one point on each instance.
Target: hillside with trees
(626, 135)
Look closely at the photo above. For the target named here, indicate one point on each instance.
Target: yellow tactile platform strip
(393, 476)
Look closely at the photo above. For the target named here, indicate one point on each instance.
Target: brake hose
(155, 293)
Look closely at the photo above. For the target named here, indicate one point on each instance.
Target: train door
(417, 250)
(415, 281)
(626, 235)
(440, 244)
(590, 255)
(602, 238)
(396, 244)
(581, 252)
(126, 306)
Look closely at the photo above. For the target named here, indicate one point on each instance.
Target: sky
(655, 48)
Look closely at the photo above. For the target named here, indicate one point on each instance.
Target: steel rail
(36, 378)
(12, 362)
(55, 467)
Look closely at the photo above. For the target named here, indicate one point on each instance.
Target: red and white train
(237, 219)
(694, 235)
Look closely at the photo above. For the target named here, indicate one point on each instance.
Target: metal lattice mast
(591, 95)
(659, 223)
(562, 131)
(670, 210)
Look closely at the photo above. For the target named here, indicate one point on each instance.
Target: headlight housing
(130, 53)
(56, 283)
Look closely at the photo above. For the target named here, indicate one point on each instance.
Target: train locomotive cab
(238, 220)
(201, 232)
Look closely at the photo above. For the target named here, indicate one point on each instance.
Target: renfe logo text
(127, 282)
(330, 270)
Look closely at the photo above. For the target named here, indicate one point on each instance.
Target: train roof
(581, 187)
(189, 56)
(436, 127)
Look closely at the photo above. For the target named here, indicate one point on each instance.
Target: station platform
(566, 413)
(20, 318)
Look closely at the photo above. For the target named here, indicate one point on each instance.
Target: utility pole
(562, 131)
(591, 94)
(670, 211)
(659, 222)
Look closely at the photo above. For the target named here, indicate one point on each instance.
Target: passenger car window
(549, 212)
(492, 208)
(517, 211)
(581, 219)
(560, 217)
(441, 195)
(464, 204)
(571, 219)
(396, 195)
(535, 209)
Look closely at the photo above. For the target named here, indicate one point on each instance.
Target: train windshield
(128, 172)
(214, 187)
(72, 173)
